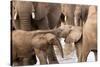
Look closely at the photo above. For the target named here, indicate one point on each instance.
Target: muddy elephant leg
(42, 56)
(43, 23)
(51, 55)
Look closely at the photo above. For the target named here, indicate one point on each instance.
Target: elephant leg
(30, 60)
(51, 55)
(95, 54)
(81, 23)
(42, 56)
(85, 52)
(43, 23)
(84, 56)
(33, 59)
(78, 51)
(25, 61)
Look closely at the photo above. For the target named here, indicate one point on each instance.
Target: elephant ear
(74, 35)
(50, 37)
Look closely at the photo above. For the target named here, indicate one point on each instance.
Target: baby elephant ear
(74, 35)
(49, 37)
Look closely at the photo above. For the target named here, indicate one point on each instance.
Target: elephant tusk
(33, 15)
(65, 19)
(15, 16)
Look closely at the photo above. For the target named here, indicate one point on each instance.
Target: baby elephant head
(70, 33)
(64, 30)
(74, 35)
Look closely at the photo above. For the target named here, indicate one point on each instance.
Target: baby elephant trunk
(57, 42)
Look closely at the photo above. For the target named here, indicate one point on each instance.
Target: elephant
(81, 14)
(30, 16)
(75, 36)
(85, 38)
(90, 34)
(46, 15)
(27, 43)
(68, 13)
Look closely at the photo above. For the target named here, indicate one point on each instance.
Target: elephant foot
(33, 60)
(53, 62)
(52, 56)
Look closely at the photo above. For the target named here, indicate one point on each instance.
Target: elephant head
(64, 30)
(74, 35)
(70, 33)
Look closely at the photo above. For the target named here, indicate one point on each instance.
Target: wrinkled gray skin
(46, 17)
(40, 40)
(68, 11)
(85, 38)
(81, 14)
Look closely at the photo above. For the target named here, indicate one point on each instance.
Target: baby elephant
(24, 44)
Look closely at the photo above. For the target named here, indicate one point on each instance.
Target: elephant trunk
(60, 47)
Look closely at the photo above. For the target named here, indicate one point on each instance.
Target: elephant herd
(37, 26)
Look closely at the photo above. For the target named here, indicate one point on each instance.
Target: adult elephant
(90, 34)
(68, 12)
(46, 17)
(81, 14)
(85, 38)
